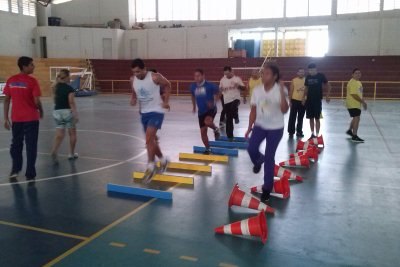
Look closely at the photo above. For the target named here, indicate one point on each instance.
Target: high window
(262, 9)
(169, 10)
(357, 6)
(217, 9)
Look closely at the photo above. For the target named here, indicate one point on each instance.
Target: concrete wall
(16, 34)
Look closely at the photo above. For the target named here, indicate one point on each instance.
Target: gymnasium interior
(96, 211)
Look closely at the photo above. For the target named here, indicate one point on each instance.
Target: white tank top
(148, 94)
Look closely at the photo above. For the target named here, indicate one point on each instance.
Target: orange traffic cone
(254, 226)
(281, 188)
(281, 172)
(311, 152)
(301, 161)
(241, 199)
(304, 145)
(318, 141)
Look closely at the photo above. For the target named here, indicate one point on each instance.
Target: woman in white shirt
(268, 105)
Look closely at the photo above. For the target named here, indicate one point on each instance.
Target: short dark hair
(138, 63)
(227, 68)
(312, 66)
(356, 69)
(24, 62)
(153, 70)
(275, 70)
(199, 71)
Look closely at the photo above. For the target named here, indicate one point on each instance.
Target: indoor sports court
(158, 177)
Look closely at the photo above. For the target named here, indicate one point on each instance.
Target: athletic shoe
(290, 136)
(237, 121)
(13, 175)
(312, 137)
(149, 174)
(257, 168)
(264, 196)
(163, 165)
(54, 158)
(357, 139)
(74, 156)
(349, 132)
(222, 125)
(217, 134)
(207, 151)
(300, 135)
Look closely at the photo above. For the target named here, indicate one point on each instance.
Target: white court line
(81, 157)
(89, 171)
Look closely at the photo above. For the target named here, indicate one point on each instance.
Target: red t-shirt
(23, 89)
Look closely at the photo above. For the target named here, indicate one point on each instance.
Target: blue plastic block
(235, 139)
(224, 144)
(137, 191)
(217, 151)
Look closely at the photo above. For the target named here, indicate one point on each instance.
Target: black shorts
(354, 112)
(211, 113)
(313, 109)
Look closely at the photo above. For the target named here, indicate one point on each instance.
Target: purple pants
(273, 138)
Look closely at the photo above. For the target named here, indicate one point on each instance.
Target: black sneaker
(257, 168)
(237, 121)
(290, 136)
(13, 175)
(264, 196)
(207, 151)
(349, 132)
(217, 134)
(357, 139)
(300, 135)
(312, 137)
(222, 125)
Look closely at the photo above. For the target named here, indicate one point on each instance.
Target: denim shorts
(64, 119)
(152, 119)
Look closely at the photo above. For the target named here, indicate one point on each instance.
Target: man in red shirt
(22, 90)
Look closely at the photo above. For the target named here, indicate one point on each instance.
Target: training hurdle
(217, 151)
(235, 139)
(224, 144)
(137, 191)
(203, 158)
(189, 168)
(165, 178)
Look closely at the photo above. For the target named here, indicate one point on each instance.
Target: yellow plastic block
(201, 157)
(185, 167)
(166, 178)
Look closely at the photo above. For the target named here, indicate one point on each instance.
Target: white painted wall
(65, 42)
(17, 33)
(207, 42)
(93, 11)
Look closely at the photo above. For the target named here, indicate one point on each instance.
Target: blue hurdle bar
(235, 139)
(224, 144)
(137, 191)
(217, 151)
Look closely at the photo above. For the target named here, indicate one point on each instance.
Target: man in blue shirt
(205, 94)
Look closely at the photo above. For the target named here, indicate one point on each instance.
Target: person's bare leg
(151, 143)
(204, 136)
(352, 125)
(60, 133)
(157, 151)
(312, 125)
(209, 122)
(317, 126)
(72, 140)
(356, 123)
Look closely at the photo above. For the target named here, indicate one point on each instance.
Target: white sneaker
(149, 173)
(163, 165)
(74, 156)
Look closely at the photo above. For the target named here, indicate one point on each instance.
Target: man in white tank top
(146, 88)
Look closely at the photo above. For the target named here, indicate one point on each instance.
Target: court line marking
(224, 264)
(117, 245)
(188, 258)
(42, 230)
(102, 231)
(81, 157)
(151, 251)
(380, 132)
(88, 171)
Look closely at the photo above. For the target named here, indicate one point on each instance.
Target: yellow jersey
(298, 88)
(354, 87)
(253, 83)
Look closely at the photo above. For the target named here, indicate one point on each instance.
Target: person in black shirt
(65, 114)
(313, 94)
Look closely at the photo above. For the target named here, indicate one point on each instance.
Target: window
(217, 9)
(259, 9)
(177, 10)
(28, 8)
(303, 8)
(4, 5)
(391, 4)
(14, 6)
(357, 6)
(145, 10)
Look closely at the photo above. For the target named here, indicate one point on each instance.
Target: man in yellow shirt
(255, 80)
(354, 100)
(297, 109)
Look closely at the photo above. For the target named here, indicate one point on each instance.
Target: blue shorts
(64, 119)
(152, 119)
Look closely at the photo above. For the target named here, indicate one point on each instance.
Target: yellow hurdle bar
(201, 157)
(191, 168)
(166, 178)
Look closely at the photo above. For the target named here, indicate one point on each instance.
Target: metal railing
(383, 90)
